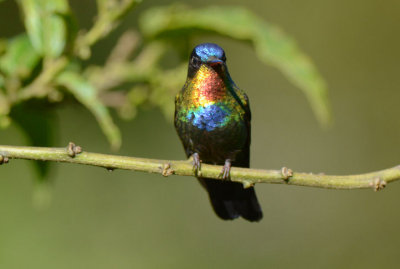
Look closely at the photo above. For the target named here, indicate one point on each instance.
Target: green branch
(248, 177)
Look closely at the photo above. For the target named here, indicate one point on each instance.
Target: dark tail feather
(230, 200)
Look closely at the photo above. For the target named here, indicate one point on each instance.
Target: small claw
(225, 172)
(196, 163)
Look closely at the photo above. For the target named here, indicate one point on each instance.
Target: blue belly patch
(209, 117)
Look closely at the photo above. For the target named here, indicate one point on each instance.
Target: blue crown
(206, 50)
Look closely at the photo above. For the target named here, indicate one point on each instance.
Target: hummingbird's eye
(195, 61)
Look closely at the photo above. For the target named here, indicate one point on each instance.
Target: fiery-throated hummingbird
(212, 118)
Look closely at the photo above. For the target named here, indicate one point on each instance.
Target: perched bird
(212, 118)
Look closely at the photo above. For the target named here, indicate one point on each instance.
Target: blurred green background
(122, 219)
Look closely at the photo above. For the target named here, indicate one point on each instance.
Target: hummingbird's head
(209, 54)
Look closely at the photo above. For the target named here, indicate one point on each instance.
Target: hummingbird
(212, 119)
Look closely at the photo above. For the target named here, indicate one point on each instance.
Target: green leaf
(4, 106)
(45, 22)
(4, 109)
(271, 44)
(85, 93)
(38, 123)
(20, 58)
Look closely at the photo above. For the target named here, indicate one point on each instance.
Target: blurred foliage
(46, 24)
(39, 128)
(270, 43)
(48, 62)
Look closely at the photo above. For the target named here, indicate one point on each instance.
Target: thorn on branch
(378, 184)
(286, 173)
(3, 159)
(167, 170)
(247, 184)
(73, 150)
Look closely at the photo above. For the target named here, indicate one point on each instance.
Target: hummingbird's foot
(196, 163)
(225, 172)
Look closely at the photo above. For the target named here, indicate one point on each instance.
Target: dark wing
(229, 199)
(181, 127)
(243, 159)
